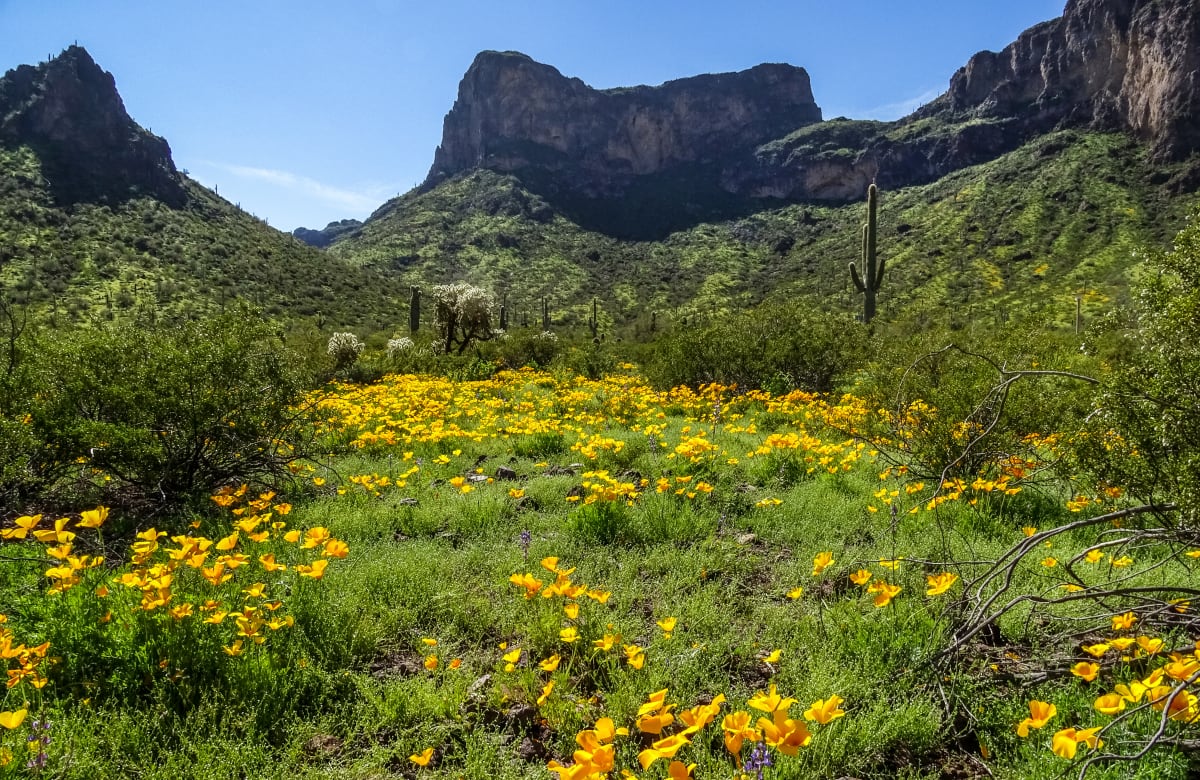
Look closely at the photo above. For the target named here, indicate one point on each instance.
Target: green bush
(159, 415)
(950, 408)
(1145, 434)
(778, 346)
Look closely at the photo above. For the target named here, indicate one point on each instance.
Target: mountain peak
(514, 113)
(69, 112)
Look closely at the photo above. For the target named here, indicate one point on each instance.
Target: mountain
(327, 235)
(709, 193)
(96, 221)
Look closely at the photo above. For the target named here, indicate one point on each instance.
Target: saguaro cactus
(868, 284)
(503, 317)
(545, 314)
(414, 311)
(594, 322)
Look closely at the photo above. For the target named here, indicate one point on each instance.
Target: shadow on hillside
(649, 208)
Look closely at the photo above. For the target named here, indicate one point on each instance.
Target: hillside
(1021, 235)
(97, 222)
(1028, 183)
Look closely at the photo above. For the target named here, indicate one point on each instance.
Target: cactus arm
(879, 273)
(857, 279)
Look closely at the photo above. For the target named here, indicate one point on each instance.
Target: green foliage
(165, 414)
(943, 394)
(144, 261)
(1146, 433)
(781, 346)
(1008, 239)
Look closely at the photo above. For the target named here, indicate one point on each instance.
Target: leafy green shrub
(163, 415)
(780, 346)
(958, 406)
(1145, 435)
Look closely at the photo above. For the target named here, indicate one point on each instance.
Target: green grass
(344, 694)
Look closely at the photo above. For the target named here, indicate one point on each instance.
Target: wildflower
(12, 720)
(860, 577)
(1110, 704)
(821, 562)
(770, 702)
(607, 642)
(773, 657)
(759, 760)
(1094, 556)
(893, 564)
(93, 518)
(545, 693)
(824, 711)
(795, 593)
(677, 771)
(1086, 670)
(431, 662)
(1123, 622)
(1063, 743)
(667, 625)
(1050, 562)
(422, 758)
(551, 663)
(940, 583)
(736, 729)
(569, 635)
(635, 656)
(315, 572)
(1040, 713)
(884, 593)
(1152, 646)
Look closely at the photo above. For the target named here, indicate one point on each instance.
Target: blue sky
(305, 112)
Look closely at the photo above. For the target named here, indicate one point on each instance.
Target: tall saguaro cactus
(594, 322)
(868, 283)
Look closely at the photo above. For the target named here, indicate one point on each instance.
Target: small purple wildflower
(526, 540)
(759, 760)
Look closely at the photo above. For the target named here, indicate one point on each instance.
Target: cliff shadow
(646, 208)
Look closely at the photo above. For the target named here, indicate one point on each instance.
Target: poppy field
(544, 575)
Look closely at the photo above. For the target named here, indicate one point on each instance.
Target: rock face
(1112, 64)
(1130, 65)
(332, 232)
(68, 111)
(513, 113)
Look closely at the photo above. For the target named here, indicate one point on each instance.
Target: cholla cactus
(397, 347)
(344, 348)
(464, 314)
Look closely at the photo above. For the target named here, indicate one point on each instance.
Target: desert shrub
(1145, 433)
(955, 406)
(527, 348)
(778, 346)
(166, 414)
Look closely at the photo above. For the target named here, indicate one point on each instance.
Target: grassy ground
(697, 523)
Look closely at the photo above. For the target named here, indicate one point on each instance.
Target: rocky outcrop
(690, 145)
(331, 232)
(68, 111)
(1111, 64)
(514, 114)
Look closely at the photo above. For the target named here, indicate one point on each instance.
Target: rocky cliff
(1111, 64)
(513, 113)
(68, 111)
(1130, 65)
